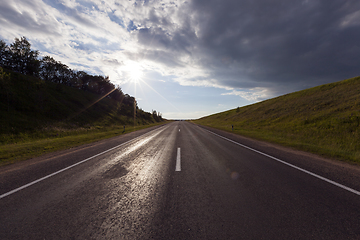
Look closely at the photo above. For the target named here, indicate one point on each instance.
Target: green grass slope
(323, 120)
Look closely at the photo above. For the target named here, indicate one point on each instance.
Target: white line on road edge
(291, 165)
(178, 161)
(64, 169)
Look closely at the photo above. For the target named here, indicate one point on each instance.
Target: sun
(134, 72)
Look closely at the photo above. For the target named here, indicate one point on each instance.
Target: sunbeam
(160, 95)
(77, 114)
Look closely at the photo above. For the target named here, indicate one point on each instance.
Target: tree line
(19, 57)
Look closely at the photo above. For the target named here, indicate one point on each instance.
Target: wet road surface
(179, 181)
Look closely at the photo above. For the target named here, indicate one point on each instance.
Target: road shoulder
(342, 172)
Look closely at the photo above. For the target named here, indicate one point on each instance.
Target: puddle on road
(116, 171)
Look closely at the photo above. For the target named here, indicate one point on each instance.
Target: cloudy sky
(188, 59)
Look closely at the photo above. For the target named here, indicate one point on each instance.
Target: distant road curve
(180, 181)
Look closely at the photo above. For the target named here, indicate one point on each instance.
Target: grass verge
(60, 139)
(324, 120)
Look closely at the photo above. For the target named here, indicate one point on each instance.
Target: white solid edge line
(291, 165)
(71, 166)
(178, 161)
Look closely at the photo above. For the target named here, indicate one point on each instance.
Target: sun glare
(134, 71)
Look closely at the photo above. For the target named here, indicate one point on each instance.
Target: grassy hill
(323, 120)
(39, 116)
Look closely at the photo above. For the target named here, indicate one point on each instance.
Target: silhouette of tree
(4, 54)
(54, 71)
(5, 84)
(117, 95)
(23, 59)
(20, 58)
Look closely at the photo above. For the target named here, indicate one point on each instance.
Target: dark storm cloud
(161, 33)
(281, 42)
(166, 47)
(280, 45)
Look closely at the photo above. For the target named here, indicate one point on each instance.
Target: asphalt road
(180, 181)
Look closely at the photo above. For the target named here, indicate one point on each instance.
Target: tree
(128, 100)
(54, 71)
(117, 95)
(77, 80)
(4, 54)
(23, 59)
(105, 86)
(84, 79)
(20, 58)
(48, 68)
(5, 84)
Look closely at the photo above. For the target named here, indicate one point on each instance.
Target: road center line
(178, 161)
(291, 165)
(78, 163)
